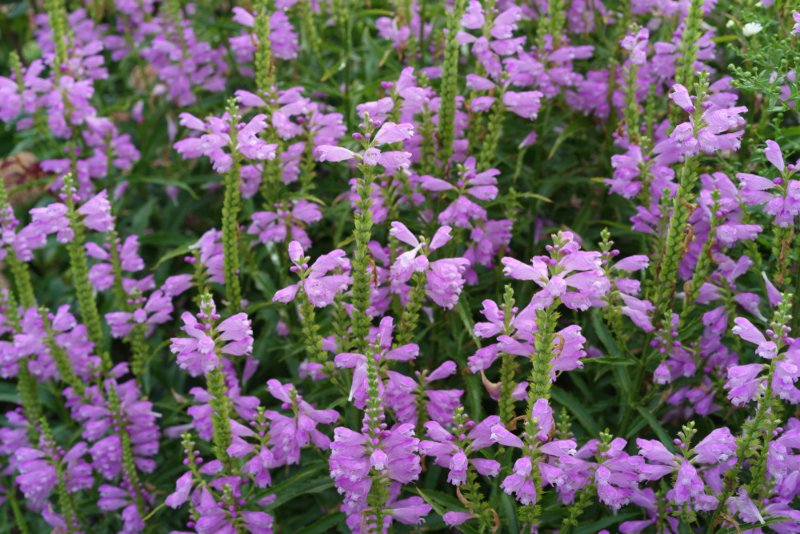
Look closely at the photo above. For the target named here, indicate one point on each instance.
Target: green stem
(230, 222)
(449, 86)
(221, 416)
(410, 317)
(362, 233)
(80, 277)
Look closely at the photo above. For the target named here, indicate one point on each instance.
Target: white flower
(751, 28)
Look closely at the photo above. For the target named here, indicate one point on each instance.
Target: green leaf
(586, 420)
(606, 522)
(657, 427)
(442, 503)
(164, 181)
(620, 374)
(508, 513)
(301, 483)
(752, 526)
(324, 524)
(466, 319)
(611, 361)
(175, 253)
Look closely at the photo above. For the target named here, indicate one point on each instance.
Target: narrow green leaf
(657, 427)
(586, 420)
(324, 524)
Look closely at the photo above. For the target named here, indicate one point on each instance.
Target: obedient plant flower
(245, 406)
(182, 62)
(38, 474)
(288, 435)
(383, 352)
(570, 275)
(52, 219)
(216, 136)
(321, 281)
(478, 185)
(283, 38)
(398, 30)
(453, 451)
(100, 425)
(113, 498)
(211, 254)
(445, 277)
(745, 382)
(441, 145)
(59, 88)
(405, 395)
(711, 129)
(284, 223)
(781, 196)
(388, 133)
(210, 340)
(152, 311)
(354, 455)
(497, 40)
(216, 498)
(690, 471)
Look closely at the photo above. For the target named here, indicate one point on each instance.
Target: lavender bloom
(282, 224)
(781, 195)
(388, 133)
(290, 434)
(354, 455)
(208, 340)
(444, 277)
(452, 453)
(480, 186)
(316, 281)
(571, 275)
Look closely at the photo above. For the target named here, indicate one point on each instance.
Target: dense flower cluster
(477, 265)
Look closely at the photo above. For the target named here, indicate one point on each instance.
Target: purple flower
(97, 213)
(444, 277)
(282, 224)
(393, 454)
(520, 483)
(451, 453)
(744, 383)
(525, 104)
(381, 338)
(200, 352)
(480, 186)
(388, 133)
(316, 281)
(290, 434)
(781, 195)
(52, 219)
(571, 275)
(745, 330)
